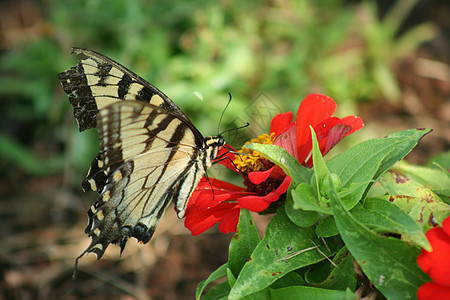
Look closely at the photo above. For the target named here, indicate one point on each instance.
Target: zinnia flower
(218, 201)
(436, 263)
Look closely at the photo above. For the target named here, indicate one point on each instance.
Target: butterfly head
(212, 146)
(215, 143)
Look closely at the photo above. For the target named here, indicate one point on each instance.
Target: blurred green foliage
(286, 49)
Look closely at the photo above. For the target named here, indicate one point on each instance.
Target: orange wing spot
(106, 196)
(117, 176)
(100, 215)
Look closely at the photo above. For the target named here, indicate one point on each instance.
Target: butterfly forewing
(98, 81)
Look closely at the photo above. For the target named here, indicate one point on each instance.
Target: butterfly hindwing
(96, 178)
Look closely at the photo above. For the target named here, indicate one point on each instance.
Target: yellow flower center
(251, 160)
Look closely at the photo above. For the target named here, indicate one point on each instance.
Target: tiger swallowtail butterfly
(150, 152)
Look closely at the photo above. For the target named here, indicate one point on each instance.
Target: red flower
(436, 264)
(217, 201)
(315, 110)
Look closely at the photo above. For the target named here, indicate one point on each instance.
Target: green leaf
(231, 278)
(343, 276)
(290, 279)
(284, 248)
(282, 158)
(243, 242)
(320, 168)
(389, 263)
(402, 142)
(396, 184)
(442, 159)
(382, 216)
(433, 178)
(386, 216)
(415, 199)
(219, 292)
(305, 199)
(318, 273)
(219, 273)
(299, 217)
(368, 160)
(327, 227)
(308, 293)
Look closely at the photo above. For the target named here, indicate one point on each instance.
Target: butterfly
(150, 152)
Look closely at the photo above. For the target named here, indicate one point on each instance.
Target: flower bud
(324, 184)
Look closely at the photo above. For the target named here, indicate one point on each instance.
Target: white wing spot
(157, 100)
(92, 184)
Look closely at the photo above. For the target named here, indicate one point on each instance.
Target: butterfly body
(150, 152)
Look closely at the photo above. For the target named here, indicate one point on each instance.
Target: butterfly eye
(221, 141)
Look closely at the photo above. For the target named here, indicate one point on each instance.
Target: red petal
(278, 173)
(260, 203)
(322, 130)
(258, 177)
(336, 134)
(433, 291)
(229, 222)
(314, 109)
(280, 122)
(287, 140)
(437, 262)
(356, 123)
(198, 220)
(209, 195)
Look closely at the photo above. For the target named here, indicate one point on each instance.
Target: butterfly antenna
(223, 112)
(237, 128)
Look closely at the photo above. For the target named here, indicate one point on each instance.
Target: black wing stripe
(124, 86)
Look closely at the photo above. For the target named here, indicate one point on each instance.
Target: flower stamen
(251, 160)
